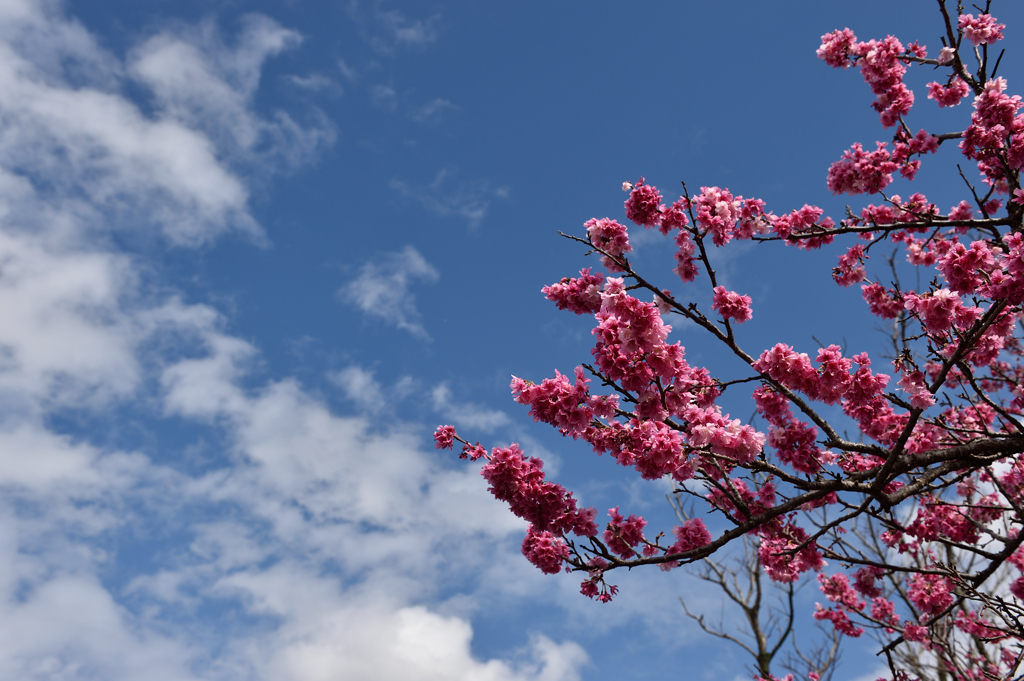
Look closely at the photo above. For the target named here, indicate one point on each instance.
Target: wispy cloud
(465, 414)
(432, 111)
(387, 30)
(200, 81)
(384, 97)
(310, 544)
(314, 82)
(367, 394)
(383, 289)
(444, 197)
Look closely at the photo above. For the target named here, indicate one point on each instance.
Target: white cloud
(383, 289)
(466, 415)
(384, 97)
(388, 30)
(351, 75)
(314, 82)
(432, 111)
(309, 544)
(361, 388)
(199, 81)
(467, 200)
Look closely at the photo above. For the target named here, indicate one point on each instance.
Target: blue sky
(252, 253)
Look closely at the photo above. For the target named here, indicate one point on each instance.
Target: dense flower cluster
(731, 305)
(982, 30)
(932, 478)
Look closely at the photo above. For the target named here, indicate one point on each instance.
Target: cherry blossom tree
(911, 528)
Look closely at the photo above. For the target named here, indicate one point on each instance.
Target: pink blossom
(803, 223)
(946, 55)
(865, 582)
(686, 266)
(962, 211)
(936, 519)
(674, 217)
(851, 267)
(692, 534)
(982, 30)
(717, 213)
(930, 593)
(963, 267)
(781, 557)
(473, 452)
(882, 609)
(950, 94)
(581, 295)
(644, 205)
(882, 69)
(731, 305)
(840, 620)
(836, 47)
(546, 505)
(611, 237)
(545, 550)
(837, 589)
(861, 172)
(623, 535)
(444, 437)
(1017, 588)
(794, 445)
(937, 310)
(993, 124)
(788, 367)
(914, 632)
(881, 301)
(567, 406)
(913, 384)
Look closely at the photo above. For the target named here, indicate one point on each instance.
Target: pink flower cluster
(996, 133)
(837, 589)
(581, 295)
(851, 267)
(982, 30)
(802, 228)
(936, 519)
(545, 550)
(734, 497)
(550, 510)
(726, 217)
(912, 383)
(967, 268)
(881, 301)
(861, 172)
(961, 211)
(930, 593)
(729, 438)
(686, 265)
(940, 310)
(692, 534)
(1007, 281)
(792, 439)
(882, 63)
(905, 146)
(731, 305)
(644, 207)
(611, 237)
(949, 94)
(829, 383)
(567, 406)
(786, 552)
(622, 535)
